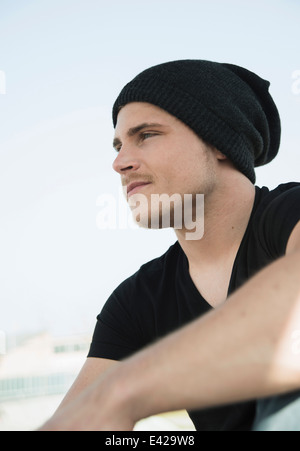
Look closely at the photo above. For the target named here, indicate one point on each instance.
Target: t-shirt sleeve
(117, 333)
(279, 218)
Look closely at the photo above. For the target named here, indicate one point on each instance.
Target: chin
(159, 212)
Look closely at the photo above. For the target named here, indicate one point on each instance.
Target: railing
(32, 386)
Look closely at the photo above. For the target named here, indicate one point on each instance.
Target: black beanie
(226, 105)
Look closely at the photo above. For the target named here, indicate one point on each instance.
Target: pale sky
(65, 62)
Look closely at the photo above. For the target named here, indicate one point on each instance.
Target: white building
(35, 375)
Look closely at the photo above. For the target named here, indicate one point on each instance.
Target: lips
(135, 186)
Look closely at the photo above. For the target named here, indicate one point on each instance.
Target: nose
(126, 161)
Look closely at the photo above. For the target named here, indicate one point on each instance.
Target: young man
(212, 325)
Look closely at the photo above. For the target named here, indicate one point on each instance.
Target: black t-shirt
(162, 297)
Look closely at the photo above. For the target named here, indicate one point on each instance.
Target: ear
(219, 155)
(294, 240)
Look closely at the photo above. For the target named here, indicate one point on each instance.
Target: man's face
(160, 155)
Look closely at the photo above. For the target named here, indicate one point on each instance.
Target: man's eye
(141, 137)
(147, 135)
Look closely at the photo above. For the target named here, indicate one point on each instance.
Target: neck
(227, 211)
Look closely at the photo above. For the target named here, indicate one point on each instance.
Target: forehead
(135, 112)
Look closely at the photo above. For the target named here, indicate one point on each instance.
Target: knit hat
(226, 105)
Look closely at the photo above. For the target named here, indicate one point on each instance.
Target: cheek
(179, 167)
(181, 178)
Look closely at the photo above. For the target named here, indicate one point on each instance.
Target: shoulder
(128, 319)
(285, 199)
(282, 189)
(165, 260)
(151, 272)
(266, 196)
(276, 214)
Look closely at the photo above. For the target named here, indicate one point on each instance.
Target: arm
(90, 372)
(239, 351)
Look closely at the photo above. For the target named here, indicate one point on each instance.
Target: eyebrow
(134, 130)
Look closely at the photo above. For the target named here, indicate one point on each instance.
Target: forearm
(242, 350)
